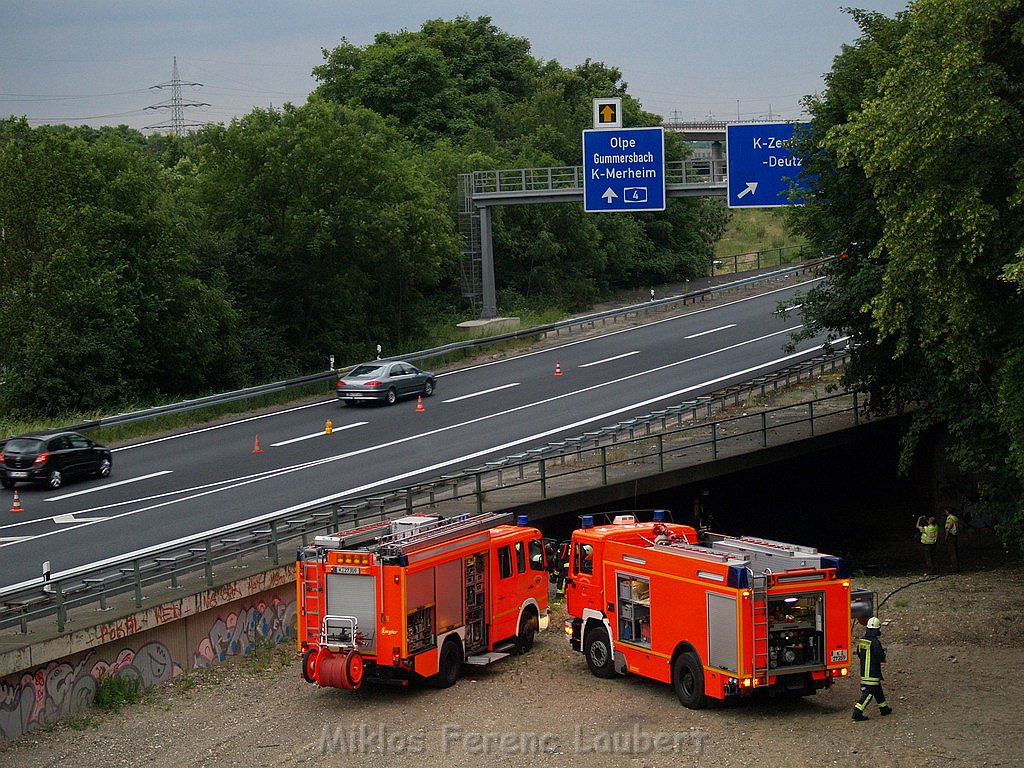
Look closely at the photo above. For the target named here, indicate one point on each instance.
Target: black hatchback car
(52, 459)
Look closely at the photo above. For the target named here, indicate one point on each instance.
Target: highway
(170, 487)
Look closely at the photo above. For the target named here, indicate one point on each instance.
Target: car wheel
(428, 388)
(55, 479)
(391, 396)
(449, 665)
(688, 680)
(6, 483)
(105, 466)
(598, 650)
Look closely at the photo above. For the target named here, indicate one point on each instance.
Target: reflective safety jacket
(872, 654)
(929, 534)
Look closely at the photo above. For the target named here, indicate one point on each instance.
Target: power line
(177, 106)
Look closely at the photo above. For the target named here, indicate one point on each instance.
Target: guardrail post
(810, 415)
(273, 550)
(714, 439)
(208, 565)
(661, 453)
(543, 479)
(62, 616)
(479, 494)
(764, 429)
(604, 465)
(137, 576)
(408, 500)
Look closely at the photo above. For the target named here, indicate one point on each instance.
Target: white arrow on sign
(751, 189)
(609, 195)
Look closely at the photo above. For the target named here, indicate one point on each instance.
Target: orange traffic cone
(419, 405)
(256, 446)
(16, 506)
(558, 369)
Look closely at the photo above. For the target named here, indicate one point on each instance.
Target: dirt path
(954, 675)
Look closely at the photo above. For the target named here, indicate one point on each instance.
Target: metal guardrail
(571, 178)
(656, 437)
(662, 305)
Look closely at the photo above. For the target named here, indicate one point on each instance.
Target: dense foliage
(917, 151)
(136, 269)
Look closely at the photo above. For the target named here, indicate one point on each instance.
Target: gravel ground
(955, 658)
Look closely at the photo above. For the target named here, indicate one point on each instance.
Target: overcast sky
(93, 62)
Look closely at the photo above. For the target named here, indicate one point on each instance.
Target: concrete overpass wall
(55, 677)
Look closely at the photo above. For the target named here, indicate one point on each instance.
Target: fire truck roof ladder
(445, 529)
(766, 555)
(702, 553)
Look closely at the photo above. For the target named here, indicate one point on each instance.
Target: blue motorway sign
(624, 169)
(761, 164)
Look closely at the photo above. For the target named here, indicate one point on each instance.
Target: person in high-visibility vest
(929, 538)
(953, 539)
(872, 654)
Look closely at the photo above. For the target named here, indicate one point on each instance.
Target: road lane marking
(221, 426)
(109, 485)
(13, 539)
(469, 368)
(713, 330)
(70, 518)
(609, 359)
(481, 392)
(412, 473)
(321, 433)
(631, 329)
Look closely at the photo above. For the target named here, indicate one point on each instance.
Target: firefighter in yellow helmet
(872, 654)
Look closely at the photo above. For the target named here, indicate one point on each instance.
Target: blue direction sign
(761, 164)
(624, 169)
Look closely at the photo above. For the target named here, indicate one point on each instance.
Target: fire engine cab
(716, 616)
(417, 597)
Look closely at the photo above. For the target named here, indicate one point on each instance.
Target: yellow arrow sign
(607, 113)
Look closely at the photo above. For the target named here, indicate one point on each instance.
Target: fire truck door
(581, 576)
(723, 639)
(353, 595)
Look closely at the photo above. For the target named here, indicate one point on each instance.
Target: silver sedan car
(383, 381)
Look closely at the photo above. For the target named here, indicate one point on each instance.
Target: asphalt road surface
(172, 487)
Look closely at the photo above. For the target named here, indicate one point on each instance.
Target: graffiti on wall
(241, 632)
(60, 689)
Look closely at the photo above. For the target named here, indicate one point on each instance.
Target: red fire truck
(417, 597)
(716, 616)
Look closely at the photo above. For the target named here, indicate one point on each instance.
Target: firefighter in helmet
(872, 655)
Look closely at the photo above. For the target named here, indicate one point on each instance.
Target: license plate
(19, 474)
(838, 657)
(346, 569)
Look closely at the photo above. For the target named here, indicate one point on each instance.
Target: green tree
(103, 302)
(337, 236)
(934, 128)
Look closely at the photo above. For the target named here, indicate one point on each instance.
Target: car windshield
(24, 445)
(366, 370)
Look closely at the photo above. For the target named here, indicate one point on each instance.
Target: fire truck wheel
(309, 664)
(449, 665)
(688, 680)
(598, 650)
(527, 631)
